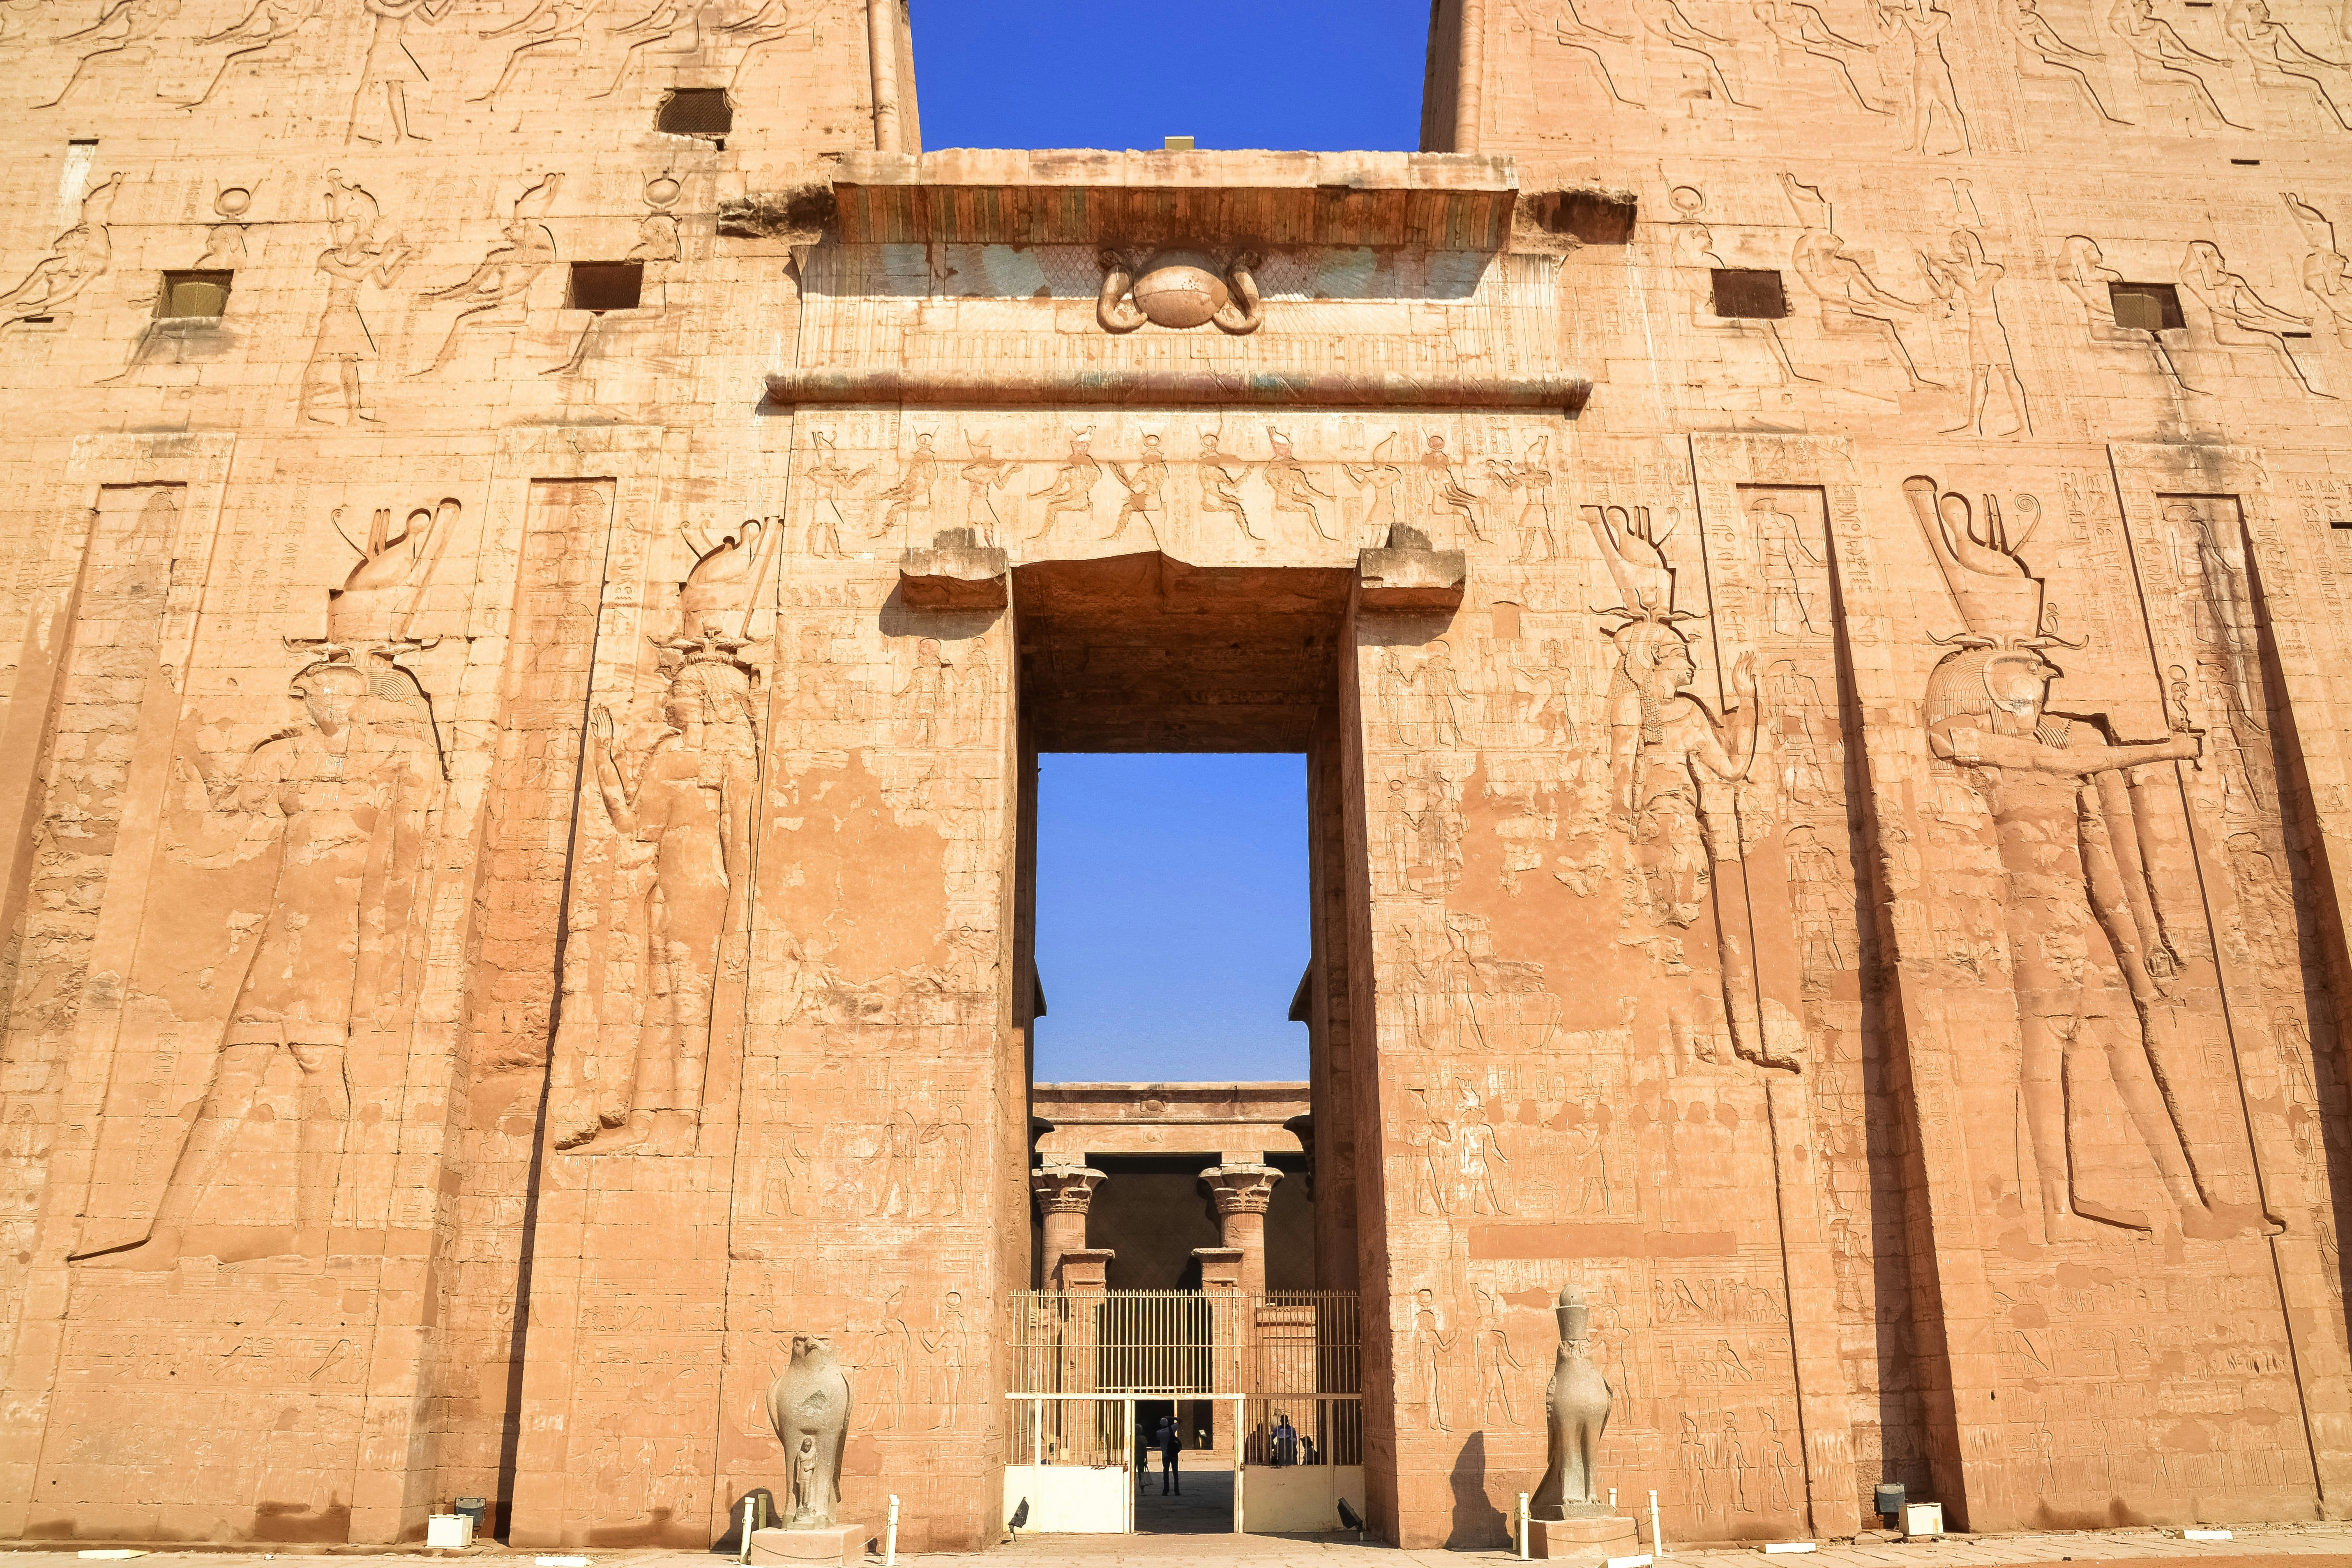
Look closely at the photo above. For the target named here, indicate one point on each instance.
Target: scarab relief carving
(1180, 290)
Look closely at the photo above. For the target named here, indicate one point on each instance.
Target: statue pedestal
(1591, 1539)
(842, 1543)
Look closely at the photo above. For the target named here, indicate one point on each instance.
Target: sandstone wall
(465, 1076)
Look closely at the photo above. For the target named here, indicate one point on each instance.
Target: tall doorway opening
(1183, 909)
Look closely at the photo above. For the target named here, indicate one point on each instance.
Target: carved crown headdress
(1998, 600)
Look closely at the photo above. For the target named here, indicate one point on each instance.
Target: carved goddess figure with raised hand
(346, 795)
(689, 806)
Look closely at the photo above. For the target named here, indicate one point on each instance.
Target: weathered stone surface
(512, 903)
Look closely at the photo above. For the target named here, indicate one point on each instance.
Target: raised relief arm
(618, 804)
(1957, 739)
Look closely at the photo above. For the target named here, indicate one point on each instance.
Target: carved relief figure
(2037, 39)
(346, 795)
(504, 277)
(1494, 1356)
(1073, 485)
(1919, 26)
(2238, 315)
(1535, 477)
(657, 249)
(2084, 271)
(1294, 489)
(1572, 32)
(267, 24)
(76, 258)
(2277, 60)
(1220, 473)
(125, 27)
(770, 23)
(688, 802)
(1964, 279)
(984, 475)
(552, 26)
(2327, 273)
(1446, 495)
(1432, 1349)
(912, 493)
(354, 261)
(1381, 478)
(828, 478)
(2161, 57)
(1801, 27)
(1143, 488)
(2089, 958)
(1673, 767)
(1663, 20)
(1850, 301)
(659, 25)
(389, 64)
(2226, 625)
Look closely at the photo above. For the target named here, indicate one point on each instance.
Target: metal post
(1241, 1446)
(1523, 1527)
(750, 1509)
(890, 1536)
(1133, 1456)
(1657, 1542)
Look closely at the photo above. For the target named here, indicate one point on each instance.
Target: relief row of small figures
(360, 256)
(1855, 302)
(147, 35)
(1855, 309)
(2250, 55)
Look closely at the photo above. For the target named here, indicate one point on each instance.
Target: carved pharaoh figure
(2089, 958)
(346, 795)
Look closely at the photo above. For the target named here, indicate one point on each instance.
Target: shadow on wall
(1476, 1521)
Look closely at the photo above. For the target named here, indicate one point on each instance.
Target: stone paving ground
(1185, 1538)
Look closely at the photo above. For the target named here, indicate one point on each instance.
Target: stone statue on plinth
(809, 1407)
(1570, 1513)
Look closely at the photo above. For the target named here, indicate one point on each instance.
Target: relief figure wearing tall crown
(2089, 958)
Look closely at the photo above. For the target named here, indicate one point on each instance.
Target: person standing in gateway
(1170, 1444)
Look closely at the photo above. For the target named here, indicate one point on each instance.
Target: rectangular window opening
(1749, 293)
(695, 112)
(197, 294)
(605, 285)
(2147, 307)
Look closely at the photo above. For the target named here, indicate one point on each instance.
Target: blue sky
(1172, 916)
(1294, 74)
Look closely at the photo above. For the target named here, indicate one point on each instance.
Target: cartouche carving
(1179, 289)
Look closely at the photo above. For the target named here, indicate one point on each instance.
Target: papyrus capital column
(1064, 1193)
(1242, 1191)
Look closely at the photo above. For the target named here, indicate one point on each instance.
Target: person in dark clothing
(1169, 1444)
(1285, 1441)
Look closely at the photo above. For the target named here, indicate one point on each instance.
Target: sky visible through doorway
(1314, 74)
(1172, 917)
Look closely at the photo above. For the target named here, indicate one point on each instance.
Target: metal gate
(1082, 1361)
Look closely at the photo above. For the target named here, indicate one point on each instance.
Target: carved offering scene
(1794, 558)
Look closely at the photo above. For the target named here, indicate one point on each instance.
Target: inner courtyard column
(1241, 1190)
(1064, 1193)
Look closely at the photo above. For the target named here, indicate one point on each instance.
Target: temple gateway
(1805, 547)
